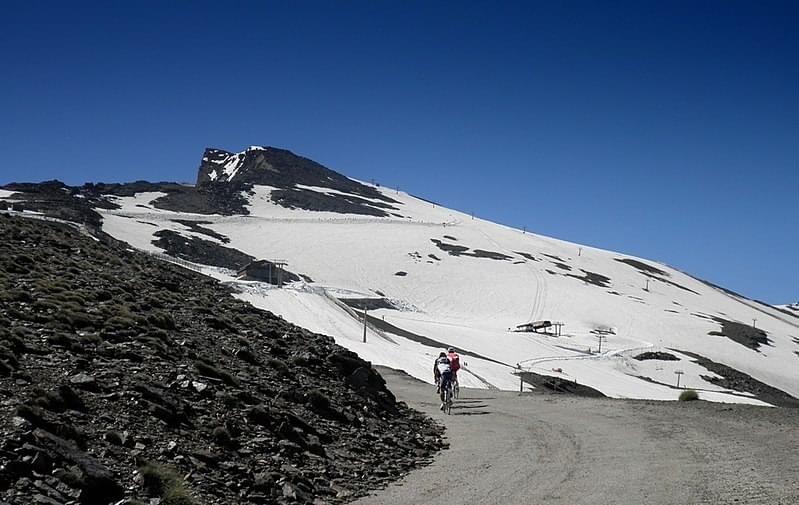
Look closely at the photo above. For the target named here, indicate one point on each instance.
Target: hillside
(433, 277)
(126, 377)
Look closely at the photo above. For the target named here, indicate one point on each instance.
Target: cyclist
(442, 373)
(454, 363)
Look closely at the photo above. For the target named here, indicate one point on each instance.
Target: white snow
(5, 193)
(471, 302)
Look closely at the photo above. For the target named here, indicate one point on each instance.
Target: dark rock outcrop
(284, 170)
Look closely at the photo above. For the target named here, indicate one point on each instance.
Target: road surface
(507, 448)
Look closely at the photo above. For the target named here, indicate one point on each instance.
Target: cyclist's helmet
(450, 350)
(442, 355)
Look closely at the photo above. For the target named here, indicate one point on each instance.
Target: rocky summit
(124, 379)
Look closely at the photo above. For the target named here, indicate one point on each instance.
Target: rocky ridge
(287, 172)
(223, 181)
(124, 379)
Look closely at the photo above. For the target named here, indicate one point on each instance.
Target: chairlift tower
(678, 373)
(280, 265)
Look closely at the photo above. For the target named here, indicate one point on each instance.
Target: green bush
(177, 496)
(162, 320)
(211, 371)
(317, 400)
(164, 482)
(75, 319)
(103, 295)
(279, 366)
(246, 355)
(222, 436)
(91, 339)
(44, 305)
(14, 268)
(60, 339)
(120, 322)
(76, 300)
(689, 395)
(17, 295)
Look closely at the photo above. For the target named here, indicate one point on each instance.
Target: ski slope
(504, 277)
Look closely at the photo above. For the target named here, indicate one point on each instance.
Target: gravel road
(507, 448)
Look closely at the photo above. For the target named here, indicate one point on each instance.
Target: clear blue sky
(668, 130)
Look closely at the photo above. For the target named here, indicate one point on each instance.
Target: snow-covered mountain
(433, 277)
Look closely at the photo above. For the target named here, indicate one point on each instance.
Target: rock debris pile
(127, 380)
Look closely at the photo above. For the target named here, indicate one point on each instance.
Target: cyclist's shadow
(469, 408)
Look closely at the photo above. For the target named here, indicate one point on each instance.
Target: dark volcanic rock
(642, 267)
(663, 356)
(459, 250)
(201, 251)
(653, 273)
(559, 385)
(744, 334)
(223, 180)
(739, 381)
(592, 278)
(78, 204)
(282, 169)
(55, 199)
(369, 303)
(196, 227)
(120, 371)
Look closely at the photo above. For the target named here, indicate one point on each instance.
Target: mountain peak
(293, 178)
(219, 165)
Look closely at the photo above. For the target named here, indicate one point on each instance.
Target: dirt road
(509, 449)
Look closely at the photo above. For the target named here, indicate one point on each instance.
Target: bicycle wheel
(456, 391)
(450, 392)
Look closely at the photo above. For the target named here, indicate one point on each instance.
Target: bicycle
(448, 392)
(456, 387)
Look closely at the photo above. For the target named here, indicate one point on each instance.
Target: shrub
(24, 259)
(14, 268)
(91, 339)
(163, 482)
(103, 295)
(219, 323)
(246, 355)
(211, 371)
(222, 436)
(279, 366)
(60, 339)
(162, 320)
(317, 400)
(120, 322)
(689, 395)
(75, 299)
(44, 305)
(53, 287)
(75, 319)
(18, 295)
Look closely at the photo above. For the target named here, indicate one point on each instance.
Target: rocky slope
(279, 168)
(223, 180)
(125, 379)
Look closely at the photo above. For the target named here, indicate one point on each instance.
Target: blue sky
(668, 130)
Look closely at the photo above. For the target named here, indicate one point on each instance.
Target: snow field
(470, 302)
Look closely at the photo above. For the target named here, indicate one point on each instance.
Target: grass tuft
(163, 482)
